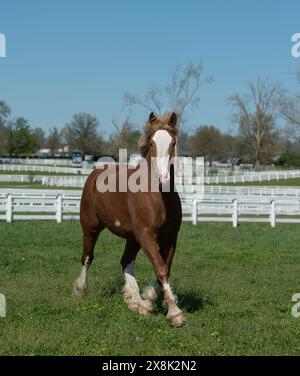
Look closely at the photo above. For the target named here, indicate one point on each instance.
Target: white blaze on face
(162, 141)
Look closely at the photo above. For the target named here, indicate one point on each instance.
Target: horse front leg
(161, 263)
(131, 289)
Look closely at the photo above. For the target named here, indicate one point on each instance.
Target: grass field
(235, 286)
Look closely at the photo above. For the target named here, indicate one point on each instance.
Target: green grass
(235, 286)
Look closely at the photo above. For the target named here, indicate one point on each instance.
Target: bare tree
(207, 142)
(179, 95)
(54, 140)
(290, 111)
(183, 91)
(4, 112)
(126, 137)
(256, 116)
(40, 137)
(82, 133)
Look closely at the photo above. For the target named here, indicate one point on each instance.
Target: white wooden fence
(16, 204)
(77, 181)
(64, 181)
(240, 178)
(253, 177)
(49, 169)
(59, 205)
(41, 161)
(14, 178)
(241, 209)
(68, 181)
(267, 190)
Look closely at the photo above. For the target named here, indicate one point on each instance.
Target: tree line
(83, 132)
(266, 118)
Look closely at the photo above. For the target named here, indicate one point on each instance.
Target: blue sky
(65, 56)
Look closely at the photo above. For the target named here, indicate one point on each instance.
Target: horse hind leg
(90, 237)
(131, 290)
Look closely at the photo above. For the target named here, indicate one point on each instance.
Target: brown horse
(146, 219)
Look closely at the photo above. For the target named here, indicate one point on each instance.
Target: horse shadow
(192, 303)
(188, 302)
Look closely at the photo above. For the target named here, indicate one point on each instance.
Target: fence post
(59, 208)
(273, 214)
(235, 213)
(194, 211)
(9, 208)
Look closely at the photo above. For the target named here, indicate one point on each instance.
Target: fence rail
(64, 181)
(59, 205)
(39, 204)
(71, 181)
(78, 181)
(40, 161)
(253, 177)
(220, 179)
(267, 190)
(49, 169)
(14, 178)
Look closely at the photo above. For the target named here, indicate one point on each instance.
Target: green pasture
(235, 286)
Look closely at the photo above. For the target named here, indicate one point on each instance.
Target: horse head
(159, 143)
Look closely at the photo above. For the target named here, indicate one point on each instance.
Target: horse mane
(161, 123)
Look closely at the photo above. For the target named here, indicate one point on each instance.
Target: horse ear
(152, 117)
(173, 120)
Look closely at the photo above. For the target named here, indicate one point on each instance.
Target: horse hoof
(149, 294)
(133, 307)
(77, 292)
(78, 289)
(144, 311)
(141, 310)
(178, 320)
